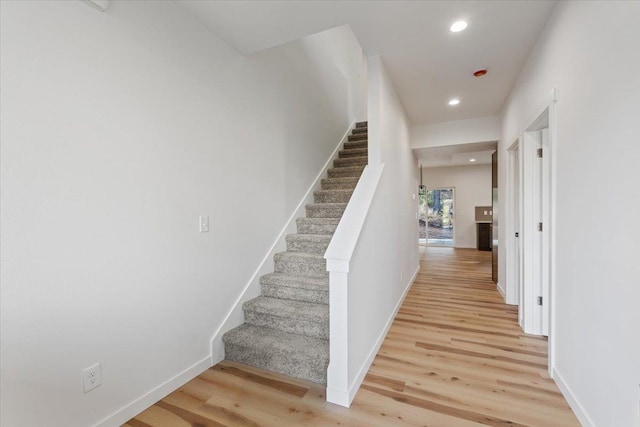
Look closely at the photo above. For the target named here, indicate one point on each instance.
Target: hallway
(454, 356)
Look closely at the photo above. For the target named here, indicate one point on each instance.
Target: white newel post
(338, 371)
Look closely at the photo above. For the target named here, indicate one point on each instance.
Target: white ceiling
(427, 63)
(456, 155)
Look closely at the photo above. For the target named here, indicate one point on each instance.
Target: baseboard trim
(234, 316)
(357, 382)
(502, 291)
(573, 402)
(129, 411)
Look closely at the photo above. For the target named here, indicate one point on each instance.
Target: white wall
(385, 259)
(589, 52)
(472, 188)
(481, 129)
(118, 130)
(348, 66)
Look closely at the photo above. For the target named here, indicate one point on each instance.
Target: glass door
(440, 216)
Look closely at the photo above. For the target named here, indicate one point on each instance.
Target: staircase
(286, 329)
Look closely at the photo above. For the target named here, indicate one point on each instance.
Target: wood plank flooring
(454, 357)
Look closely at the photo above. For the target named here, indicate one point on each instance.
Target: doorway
(529, 269)
(439, 216)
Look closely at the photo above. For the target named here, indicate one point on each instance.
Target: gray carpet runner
(286, 329)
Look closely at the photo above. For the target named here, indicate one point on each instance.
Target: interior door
(494, 228)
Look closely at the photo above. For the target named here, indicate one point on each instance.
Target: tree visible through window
(435, 216)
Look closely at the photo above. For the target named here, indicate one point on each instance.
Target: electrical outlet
(204, 224)
(92, 377)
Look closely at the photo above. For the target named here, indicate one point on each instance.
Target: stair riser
(284, 363)
(353, 152)
(353, 145)
(339, 185)
(344, 173)
(306, 228)
(286, 324)
(296, 294)
(361, 125)
(302, 268)
(359, 137)
(325, 211)
(359, 130)
(332, 196)
(349, 162)
(307, 246)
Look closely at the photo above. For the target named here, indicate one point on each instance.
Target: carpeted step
(355, 144)
(325, 210)
(310, 243)
(351, 171)
(353, 152)
(361, 124)
(332, 196)
(301, 264)
(296, 317)
(358, 130)
(296, 288)
(294, 355)
(317, 225)
(350, 161)
(358, 137)
(348, 183)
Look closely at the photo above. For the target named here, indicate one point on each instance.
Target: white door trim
(512, 224)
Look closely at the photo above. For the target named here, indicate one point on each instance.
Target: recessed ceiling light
(458, 26)
(454, 101)
(472, 160)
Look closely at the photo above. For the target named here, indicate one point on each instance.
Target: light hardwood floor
(454, 356)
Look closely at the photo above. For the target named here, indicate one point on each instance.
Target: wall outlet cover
(92, 377)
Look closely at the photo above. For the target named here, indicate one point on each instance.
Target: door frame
(545, 112)
(512, 224)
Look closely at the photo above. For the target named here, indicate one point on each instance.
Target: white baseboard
(129, 411)
(502, 291)
(235, 316)
(573, 402)
(345, 399)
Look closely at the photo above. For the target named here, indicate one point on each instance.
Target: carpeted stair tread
(353, 152)
(290, 354)
(296, 288)
(338, 195)
(288, 308)
(301, 264)
(358, 130)
(362, 143)
(358, 138)
(345, 183)
(281, 279)
(350, 161)
(361, 125)
(317, 225)
(325, 210)
(311, 243)
(350, 171)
